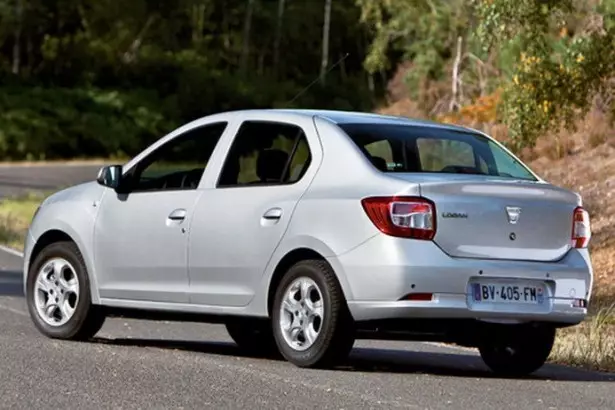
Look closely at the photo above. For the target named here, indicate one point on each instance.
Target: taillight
(407, 217)
(581, 229)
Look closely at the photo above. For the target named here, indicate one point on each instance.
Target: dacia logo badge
(513, 214)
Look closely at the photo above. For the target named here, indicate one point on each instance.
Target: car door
(240, 220)
(141, 233)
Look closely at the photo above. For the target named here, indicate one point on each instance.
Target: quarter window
(266, 153)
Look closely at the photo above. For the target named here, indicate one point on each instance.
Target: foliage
(102, 77)
(481, 111)
(555, 74)
(548, 57)
(424, 32)
(98, 77)
(47, 123)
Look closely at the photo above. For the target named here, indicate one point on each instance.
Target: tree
(555, 73)
(247, 31)
(426, 33)
(278, 36)
(325, 42)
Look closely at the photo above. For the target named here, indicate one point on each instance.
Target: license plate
(508, 293)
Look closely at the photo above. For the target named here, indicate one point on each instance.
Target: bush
(49, 123)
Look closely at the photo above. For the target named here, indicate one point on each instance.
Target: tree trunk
(325, 41)
(247, 27)
(131, 55)
(454, 104)
(17, 42)
(278, 36)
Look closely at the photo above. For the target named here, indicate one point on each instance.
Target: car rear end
(484, 238)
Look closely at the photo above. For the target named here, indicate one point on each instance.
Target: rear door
(240, 220)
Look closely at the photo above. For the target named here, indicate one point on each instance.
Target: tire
(517, 350)
(84, 319)
(253, 336)
(333, 341)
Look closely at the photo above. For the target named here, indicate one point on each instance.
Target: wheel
(517, 350)
(311, 322)
(58, 294)
(253, 336)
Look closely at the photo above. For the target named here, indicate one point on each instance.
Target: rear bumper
(455, 307)
(384, 270)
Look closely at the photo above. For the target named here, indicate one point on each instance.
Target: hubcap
(302, 314)
(56, 292)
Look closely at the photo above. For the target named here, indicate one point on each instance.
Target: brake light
(581, 228)
(407, 217)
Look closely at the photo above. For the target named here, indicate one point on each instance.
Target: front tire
(311, 322)
(517, 350)
(58, 294)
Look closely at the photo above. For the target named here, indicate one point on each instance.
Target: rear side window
(409, 148)
(266, 153)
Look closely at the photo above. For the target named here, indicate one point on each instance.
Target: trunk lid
(494, 218)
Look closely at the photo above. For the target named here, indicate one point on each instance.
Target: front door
(241, 219)
(141, 234)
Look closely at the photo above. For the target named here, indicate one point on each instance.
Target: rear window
(405, 148)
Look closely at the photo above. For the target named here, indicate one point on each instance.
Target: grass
(590, 345)
(15, 216)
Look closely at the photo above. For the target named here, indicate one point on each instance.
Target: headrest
(270, 165)
(380, 163)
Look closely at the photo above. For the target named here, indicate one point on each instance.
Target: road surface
(140, 364)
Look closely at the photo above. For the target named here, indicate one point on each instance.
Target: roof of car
(347, 117)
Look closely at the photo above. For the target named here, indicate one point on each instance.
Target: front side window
(266, 153)
(408, 148)
(178, 164)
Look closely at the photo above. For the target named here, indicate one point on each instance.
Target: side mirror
(110, 176)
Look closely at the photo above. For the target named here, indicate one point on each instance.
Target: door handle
(273, 213)
(177, 215)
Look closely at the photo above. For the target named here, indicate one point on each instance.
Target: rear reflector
(407, 217)
(581, 228)
(419, 297)
(579, 303)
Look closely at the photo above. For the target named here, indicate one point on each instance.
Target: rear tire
(517, 350)
(253, 336)
(58, 294)
(311, 322)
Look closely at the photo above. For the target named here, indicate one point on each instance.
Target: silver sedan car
(303, 231)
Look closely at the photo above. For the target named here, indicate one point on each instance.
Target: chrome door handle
(177, 215)
(273, 213)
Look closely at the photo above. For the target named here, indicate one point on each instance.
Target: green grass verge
(590, 345)
(15, 216)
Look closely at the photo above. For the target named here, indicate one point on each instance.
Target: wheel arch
(49, 237)
(297, 255)
(58, 234)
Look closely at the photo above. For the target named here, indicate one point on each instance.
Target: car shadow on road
(11, 283)
(375, 360)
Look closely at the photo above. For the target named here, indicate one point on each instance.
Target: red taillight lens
(406, 217)
(581, 228)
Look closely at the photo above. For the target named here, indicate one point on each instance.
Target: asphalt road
(140, 364)
(15, 180)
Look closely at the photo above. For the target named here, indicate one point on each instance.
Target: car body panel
(325, 216)
(72, 211)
